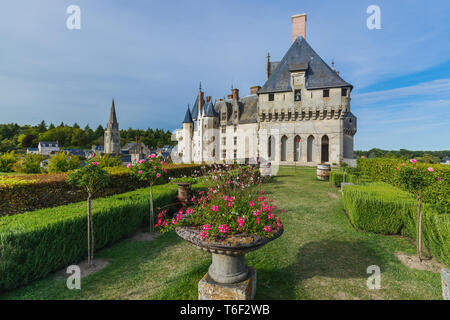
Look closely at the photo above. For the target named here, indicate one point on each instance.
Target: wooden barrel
(323, 172)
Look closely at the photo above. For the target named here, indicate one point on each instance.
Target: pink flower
(158, 175)
(261, 192)
(129, 165)
(430, 169)
(162, 163)
(206, 227)
(165, 171)
(214, 208)
(282, 210)
(413, 161)
(224, 228)
(267, 228)
(240, 221)
(140, 171)
(251, 203)
(270, 216)
(152, 155)
(439, 178)
(142, 161)
(258, 220)
(204, 234)
(396, 169)
(189, 211)
(95, 163)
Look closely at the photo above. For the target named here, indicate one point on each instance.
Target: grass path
(319, 256)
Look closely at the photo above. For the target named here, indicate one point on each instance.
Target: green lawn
(319, 256)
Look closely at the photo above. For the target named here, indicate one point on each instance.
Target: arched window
(271, 148)
(310, 149)
(297, 143)
(283, 148)
(325, 149)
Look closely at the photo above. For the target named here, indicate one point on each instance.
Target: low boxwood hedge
(382, 208)
(383, 169)
(337, 177)
(36, 243)
(31, 192)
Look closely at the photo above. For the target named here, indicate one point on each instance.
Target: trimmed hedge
(36, 243)
(31, 192)
(383, 169)
(337, 177)
(382, 208)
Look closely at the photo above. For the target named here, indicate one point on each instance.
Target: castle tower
(188, 127)
(112, 134)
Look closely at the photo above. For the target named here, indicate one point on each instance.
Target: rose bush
(149, 170)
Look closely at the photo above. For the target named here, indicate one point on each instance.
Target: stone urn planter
(184, 192)
(228, 278)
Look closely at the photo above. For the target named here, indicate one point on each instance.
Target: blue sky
(151, 55)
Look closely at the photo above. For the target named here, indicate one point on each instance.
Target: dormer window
(298, 95)
(326, 93)
(344, 92)
(271, 97)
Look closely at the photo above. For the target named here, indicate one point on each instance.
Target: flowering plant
(415, 179)
(231, 204)
(149, 170)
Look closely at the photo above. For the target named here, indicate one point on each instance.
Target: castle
(301, 115)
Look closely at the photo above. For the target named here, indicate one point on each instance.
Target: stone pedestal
(208, 289)
(445, 275)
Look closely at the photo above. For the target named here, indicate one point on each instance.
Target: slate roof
(209, 110)
(188, 116)
(301, 56)
(248, 109)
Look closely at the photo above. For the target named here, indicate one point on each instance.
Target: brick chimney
(298, 26)
(229, 96)
(235, 95)
(200, 101)
(254, 89)
(208, 99)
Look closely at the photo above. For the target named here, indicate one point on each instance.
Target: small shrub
(30, 163)
(62, 162)
(107, 160)
(7, 161)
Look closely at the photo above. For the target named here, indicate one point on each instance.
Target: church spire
(112, 115)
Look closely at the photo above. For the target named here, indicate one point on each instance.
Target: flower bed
(36, 243)
(22, 193)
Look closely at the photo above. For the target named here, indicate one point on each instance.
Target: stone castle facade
(112, 133)
(301, 115)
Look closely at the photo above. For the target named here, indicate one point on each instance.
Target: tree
(42, 127)
(76, 126)
(99, 132)
(30, 163)
(51, 126)
(415, 179)
(149, 171)
(91, 178)
(62, 162)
